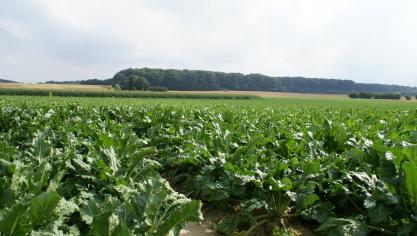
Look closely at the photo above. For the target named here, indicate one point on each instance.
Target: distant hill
(7, 81)
(210, 80)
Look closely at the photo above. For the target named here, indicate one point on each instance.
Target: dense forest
(209, 80)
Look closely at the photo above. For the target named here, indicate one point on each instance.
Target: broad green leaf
(89, 210)
(13, 223)
(410, 182)
(112, 159)
(41, 145)
(102, 225)
(309, 200)
(342, 227)
(378, 214)
(137, 157)
(121, 230)
(42, 207)
(186, 212)
(320, 212)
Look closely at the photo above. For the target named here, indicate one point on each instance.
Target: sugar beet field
(107, 166)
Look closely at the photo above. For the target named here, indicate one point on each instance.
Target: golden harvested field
(104, 87)
(53, 86)
(269, 94)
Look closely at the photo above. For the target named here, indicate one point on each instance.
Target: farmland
(53, 86)
(101, 88)
(123, 166)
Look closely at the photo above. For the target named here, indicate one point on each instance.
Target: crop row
(344, 171)
(120, 94)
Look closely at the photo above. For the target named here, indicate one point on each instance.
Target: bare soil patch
(212, 216)
(205, 227)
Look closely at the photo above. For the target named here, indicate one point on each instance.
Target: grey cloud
(370, 41)
(51, 36)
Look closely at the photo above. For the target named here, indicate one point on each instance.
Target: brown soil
(205, 227)
(212, 215)
(300, 230)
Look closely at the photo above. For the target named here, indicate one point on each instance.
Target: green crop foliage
(120, 94)
(108, 169)
(67, 171)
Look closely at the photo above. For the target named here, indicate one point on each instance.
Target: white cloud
(14, 29)
(366, 41)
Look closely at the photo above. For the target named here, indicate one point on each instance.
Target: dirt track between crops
(205, 227)
(212, 215)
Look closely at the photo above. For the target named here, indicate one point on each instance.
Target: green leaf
(42, 146)
(89, 211)
(408, 229)
(111, 159)
(13, 223)
(320, 211)
(163, 209)
(6, 168)
(121, 230)
(410, 182)
(228, 224)
(343, 227)
(187, 212)
(137, 158)
(378, 214)
(309, 200)
(42, 207)
(101, 225)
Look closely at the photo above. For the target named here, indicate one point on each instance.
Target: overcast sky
(362, 40)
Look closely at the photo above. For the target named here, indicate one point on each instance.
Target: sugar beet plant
(98, 170)
(351, 171)
(72, 172)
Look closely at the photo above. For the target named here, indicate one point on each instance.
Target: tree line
(6, 81)
(366, 95)
(210, 80)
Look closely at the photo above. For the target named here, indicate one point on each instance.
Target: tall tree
(137, 83)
